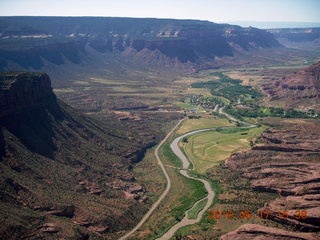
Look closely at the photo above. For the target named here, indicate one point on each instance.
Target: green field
(204, 122)
(207, 149)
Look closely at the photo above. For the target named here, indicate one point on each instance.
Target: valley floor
(245, 203)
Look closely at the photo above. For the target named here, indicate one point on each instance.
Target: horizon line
(242, 23)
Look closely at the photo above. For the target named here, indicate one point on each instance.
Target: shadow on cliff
(2, 144)
(35, 128)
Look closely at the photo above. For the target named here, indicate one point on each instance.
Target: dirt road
(163, 195)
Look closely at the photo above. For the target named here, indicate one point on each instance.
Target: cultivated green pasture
(207, 149)
(204, 122)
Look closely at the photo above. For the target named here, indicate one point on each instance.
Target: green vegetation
(204, 122)
(230, 89)
(168, 154)
(196, 192)
(193, 213)
(205, 227)
(184, 203)
(255, 111)
(207, 149)
(194, 117)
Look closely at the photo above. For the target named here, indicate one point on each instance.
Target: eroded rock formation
(285, 160)
(255, 232)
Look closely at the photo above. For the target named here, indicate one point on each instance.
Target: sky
(220, 11)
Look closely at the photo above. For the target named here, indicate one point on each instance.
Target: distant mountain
(277, 25)
(62, 174)
(37, 42)
(298, 38)
(297, 34)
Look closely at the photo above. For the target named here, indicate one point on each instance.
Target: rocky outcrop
(302, 214)
(100, 230)
(49, 228)
(298, 88)
(254, 231)
(286, 161)
(64, 211)
(20, 91)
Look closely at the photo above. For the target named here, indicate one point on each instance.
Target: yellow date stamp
(263, 214)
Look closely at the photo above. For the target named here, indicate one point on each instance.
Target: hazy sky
(212, 10)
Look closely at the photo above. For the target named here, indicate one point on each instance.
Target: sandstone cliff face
(20, 91)
(314, 71)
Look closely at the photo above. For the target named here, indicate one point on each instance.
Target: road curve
(163, 195)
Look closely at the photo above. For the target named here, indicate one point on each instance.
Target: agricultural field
(209, 148)
(206, 121)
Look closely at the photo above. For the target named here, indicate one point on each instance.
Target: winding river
(183, 171)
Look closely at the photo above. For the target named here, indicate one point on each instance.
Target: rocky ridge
(167, 43)
(285, 160)
(254, 231)
(303, 85)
